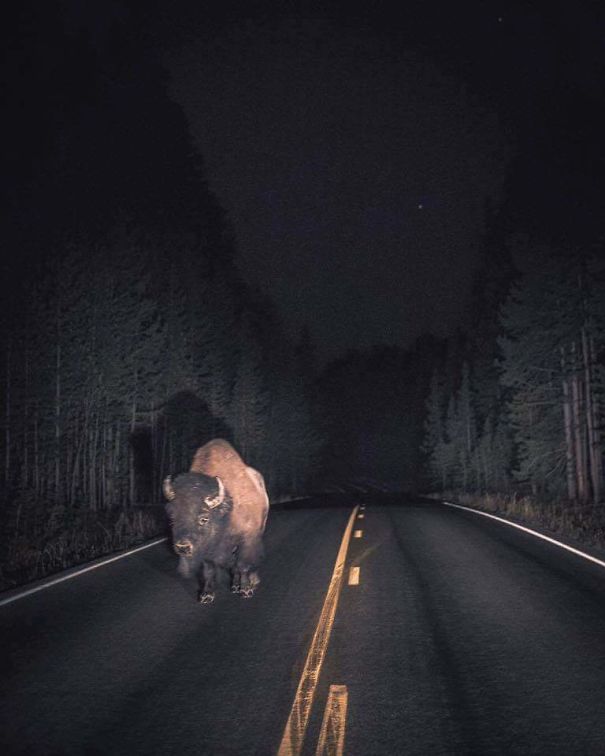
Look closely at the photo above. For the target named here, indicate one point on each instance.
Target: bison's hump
(246, 487)
(217, 457)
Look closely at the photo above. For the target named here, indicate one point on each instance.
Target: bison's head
(197, 506)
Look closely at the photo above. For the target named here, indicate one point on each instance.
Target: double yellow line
(294, 732)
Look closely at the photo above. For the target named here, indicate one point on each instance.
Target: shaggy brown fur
(244, 484)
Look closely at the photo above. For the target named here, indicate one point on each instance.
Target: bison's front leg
(236, 580)
(206, 577)
(249, 581)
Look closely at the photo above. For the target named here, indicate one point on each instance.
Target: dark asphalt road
(463, 636)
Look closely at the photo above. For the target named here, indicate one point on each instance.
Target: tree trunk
(26, 463)
(75, 464)
(578, 429)
(592, 418)
(7, 417)
(133, 415)
(93, 463)
(164, 461)
(103, 457)
(36, 456)
(114, 484)
(107, 465)
(572, 492)
(485, 459)
(57, 465)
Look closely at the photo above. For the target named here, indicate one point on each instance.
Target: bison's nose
(185, 548)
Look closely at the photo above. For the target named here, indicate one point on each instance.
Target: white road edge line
(354, 576)
(332, 735)
(554, 541)
(63, 578)
(358, 534)
(294, 731)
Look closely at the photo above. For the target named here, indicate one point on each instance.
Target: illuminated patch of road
(354, 576)
(294, 732)
(554, 541)
(332, 735)
(71, 575)
(358, 534)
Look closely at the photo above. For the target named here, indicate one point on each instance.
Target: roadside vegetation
(515, 418)
(59, 541)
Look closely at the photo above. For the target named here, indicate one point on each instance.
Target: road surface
(462, 636)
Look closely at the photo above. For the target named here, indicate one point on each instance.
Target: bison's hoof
(246, 592)
(206, 598)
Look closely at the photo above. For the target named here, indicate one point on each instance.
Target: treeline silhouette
(515, 414)
(129, 338)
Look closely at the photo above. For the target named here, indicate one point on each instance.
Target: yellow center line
(294, 732)
(332, 735)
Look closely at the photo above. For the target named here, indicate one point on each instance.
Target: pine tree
(434, 444)
(549, 361)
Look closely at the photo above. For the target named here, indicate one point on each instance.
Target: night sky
(362, 154)
(369, 160)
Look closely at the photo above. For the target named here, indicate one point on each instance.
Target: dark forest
(130, 336)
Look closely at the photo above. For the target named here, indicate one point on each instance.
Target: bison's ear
(168, 489)
(215, 501)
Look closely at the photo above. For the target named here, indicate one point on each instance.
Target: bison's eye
(202, 520)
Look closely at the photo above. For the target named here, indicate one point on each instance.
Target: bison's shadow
(182, 424)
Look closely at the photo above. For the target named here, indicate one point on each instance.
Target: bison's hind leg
(248, 557)
(207, 576)
(244, 581)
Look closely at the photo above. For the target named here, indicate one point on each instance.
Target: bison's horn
(168, 489)
(219, 498)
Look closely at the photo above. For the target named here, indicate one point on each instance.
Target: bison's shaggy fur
(218, 513)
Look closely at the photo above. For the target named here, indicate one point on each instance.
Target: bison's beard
(188, 566)
(184, 567)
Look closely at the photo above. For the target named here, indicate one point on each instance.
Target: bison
(218, 511)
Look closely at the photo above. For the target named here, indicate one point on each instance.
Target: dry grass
(67, 540)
